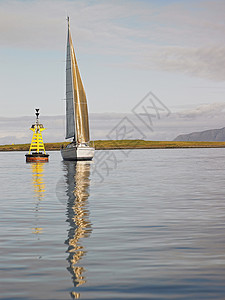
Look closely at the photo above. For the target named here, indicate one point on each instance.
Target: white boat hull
(78, 153)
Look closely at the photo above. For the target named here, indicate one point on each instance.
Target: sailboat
(77, 123)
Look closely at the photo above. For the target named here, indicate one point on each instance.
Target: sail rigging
(77, 124)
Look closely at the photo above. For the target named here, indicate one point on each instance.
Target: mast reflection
(78, 182)
(39, 191)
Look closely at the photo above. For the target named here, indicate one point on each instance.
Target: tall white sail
(77, 123)
(70, 121)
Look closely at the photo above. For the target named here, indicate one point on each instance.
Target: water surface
(150, 226)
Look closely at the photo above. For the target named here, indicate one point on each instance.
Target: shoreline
(122, 144)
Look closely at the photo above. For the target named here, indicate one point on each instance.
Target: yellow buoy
(37, 148)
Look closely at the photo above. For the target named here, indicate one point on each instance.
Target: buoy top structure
(37, 149)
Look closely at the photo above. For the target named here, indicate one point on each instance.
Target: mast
(70, 109)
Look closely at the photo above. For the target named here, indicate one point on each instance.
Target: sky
(124, 48)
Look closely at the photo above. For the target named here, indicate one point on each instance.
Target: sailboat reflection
(39, 191)
(78, 182)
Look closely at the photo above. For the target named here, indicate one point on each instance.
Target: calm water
(149, 224)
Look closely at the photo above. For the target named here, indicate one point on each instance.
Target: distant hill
(212, 135)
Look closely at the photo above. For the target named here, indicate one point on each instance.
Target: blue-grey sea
(134, 224)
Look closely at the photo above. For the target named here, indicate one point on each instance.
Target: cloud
(203, 62)
(213, 110)
(38, 24)
(207, 116)
(16, 130)
(182, 37)
(124, 48)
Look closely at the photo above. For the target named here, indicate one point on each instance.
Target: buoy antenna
(37, 112)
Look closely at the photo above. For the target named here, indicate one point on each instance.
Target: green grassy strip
(141, 144)
(123, 144)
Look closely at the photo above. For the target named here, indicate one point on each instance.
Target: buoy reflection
(39, 191)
